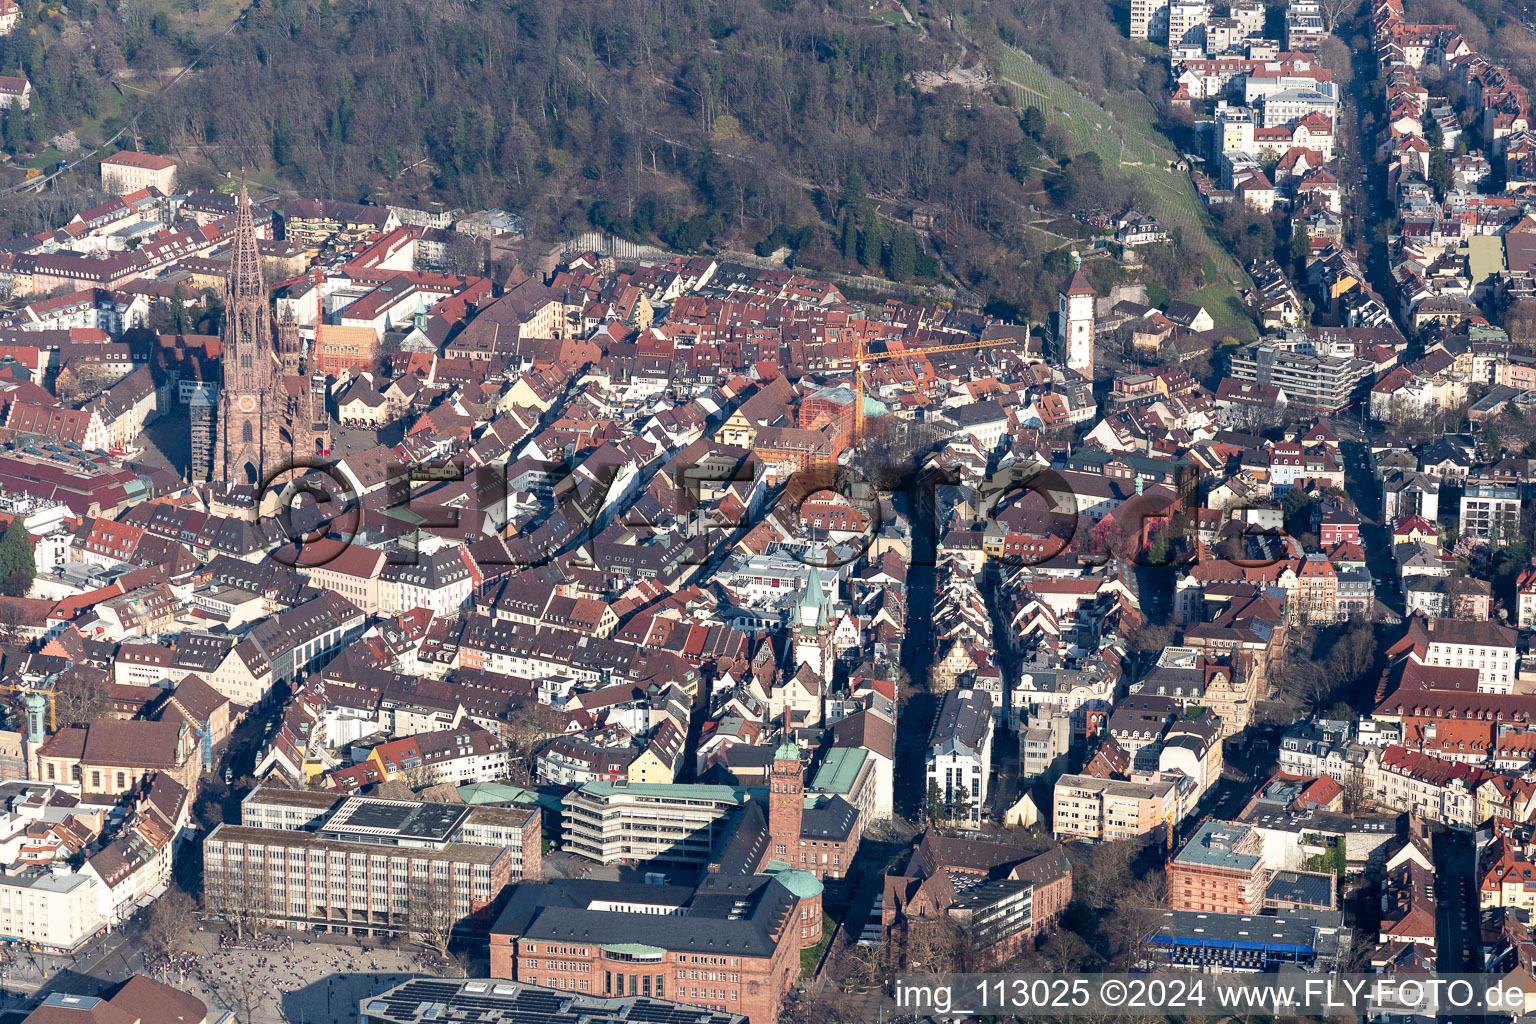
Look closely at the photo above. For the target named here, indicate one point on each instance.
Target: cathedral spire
(252, 415)
(244, 284)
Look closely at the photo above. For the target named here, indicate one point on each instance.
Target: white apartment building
(1289, 105)
(1095, 809)
(1490, 512)
(959, 758)
(1458, 643)
(1149, 19)
(1249, 15)
(56, 909)
(126, 172)
(1186, 23)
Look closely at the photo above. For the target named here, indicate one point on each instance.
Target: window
(95, 780)
(121, 780)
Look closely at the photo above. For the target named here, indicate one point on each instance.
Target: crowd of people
(256, 975)
(256, 940)
(171, 968)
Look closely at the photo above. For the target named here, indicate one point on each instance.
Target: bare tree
(1066, 952)
(167, 921)
(1135, 920)
(243, 995)
(1354, 791)
(76, 387)
(870, 964)
(238, 893)
(1337, 11)
(466, 255)
(80, 695)
(935, 946)
(528, 727)
(433, 910)
(12, 619)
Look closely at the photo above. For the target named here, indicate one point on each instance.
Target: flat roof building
(1241, 942)
(615, 822)
(475, 1001)
(364, 866)
(1220, 869)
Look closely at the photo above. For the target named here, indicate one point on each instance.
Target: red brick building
(1002, 898)
(819, 837)
(1220, 870)
(731, 943)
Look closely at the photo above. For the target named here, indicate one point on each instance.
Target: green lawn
(1124, 136)
(810, 957)
(107, 120)
(45, 160)
(1222, 302)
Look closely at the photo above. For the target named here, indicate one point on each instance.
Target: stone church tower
(814, 627)
(271, 412)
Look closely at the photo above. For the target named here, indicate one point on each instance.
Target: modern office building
(959, 758)
(366, 866)
(626, 822)
(1490, 512)
(1324, 383)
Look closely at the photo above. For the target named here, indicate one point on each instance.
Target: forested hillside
(695, 123)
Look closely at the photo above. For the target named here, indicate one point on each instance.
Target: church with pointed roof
(271, 408)
(815, 625)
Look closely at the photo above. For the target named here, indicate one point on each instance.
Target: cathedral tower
(249, 445)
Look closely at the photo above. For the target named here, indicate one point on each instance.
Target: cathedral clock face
(247, 403)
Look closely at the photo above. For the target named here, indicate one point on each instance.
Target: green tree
(1490, 444)
(871, 239)
(903, 255)
(1032, 121)
(281, 138)
(935, 801)
(850, 238)
(855, 198)
(960, 810)
(1440, 173)
(18, 567)
(1301, 244)
(14, 135)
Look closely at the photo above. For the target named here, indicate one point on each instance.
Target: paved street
(1459, 922)
(1365, 491)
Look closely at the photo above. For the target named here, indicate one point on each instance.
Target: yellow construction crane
(861, 356)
